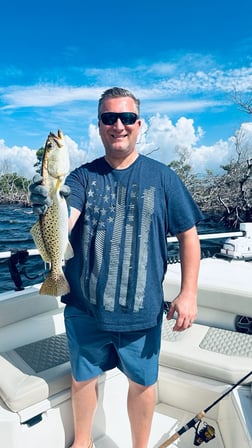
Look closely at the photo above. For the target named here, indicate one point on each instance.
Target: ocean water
(15, 225)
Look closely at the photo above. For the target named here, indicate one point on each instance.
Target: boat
(241, 247)
(204, 391)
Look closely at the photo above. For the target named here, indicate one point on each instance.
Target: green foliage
(13, 183)
(14, 188)
(39, 154)
(227, 196)
(183, 168)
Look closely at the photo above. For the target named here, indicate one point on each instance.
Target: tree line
(14, 189)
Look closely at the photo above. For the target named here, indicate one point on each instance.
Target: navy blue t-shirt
(120, 239)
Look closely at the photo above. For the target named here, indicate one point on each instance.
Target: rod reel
(17, 260)
(205, 434)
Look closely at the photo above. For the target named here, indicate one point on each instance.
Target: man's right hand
(39, 196)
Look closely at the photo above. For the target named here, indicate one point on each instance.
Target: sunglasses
(126, 118)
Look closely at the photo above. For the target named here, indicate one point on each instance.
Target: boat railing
(170, 239)
(16, 259)
(211, 236)
(9, 253)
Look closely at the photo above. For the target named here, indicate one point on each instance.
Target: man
(123, 206)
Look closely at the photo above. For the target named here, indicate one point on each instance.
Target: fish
(50, 232)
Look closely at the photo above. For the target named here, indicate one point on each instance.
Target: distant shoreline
(17, 200)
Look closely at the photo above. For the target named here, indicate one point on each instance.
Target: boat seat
(34, 372)
(39, 370)
(204, 351)
(17, 306)
(220, 299)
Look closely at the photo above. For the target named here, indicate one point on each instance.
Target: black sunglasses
(126, 118)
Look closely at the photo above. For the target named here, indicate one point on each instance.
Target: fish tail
(55, 285)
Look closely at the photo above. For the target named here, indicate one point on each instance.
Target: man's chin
(118, 148)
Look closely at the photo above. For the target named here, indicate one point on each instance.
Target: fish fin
(58, 184)
(69, 253)
(52, 286)
(39, 242)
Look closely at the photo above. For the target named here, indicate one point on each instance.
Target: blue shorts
(94, 351)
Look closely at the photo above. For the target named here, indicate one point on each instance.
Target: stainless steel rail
(171, 239)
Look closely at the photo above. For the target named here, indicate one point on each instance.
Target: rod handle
(185, 428)
(169, 441)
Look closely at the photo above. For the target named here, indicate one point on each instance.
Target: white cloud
(161, 137)
(162, 86)
(46, 95)
(77, 156)
(189, 106)
(214, 81)
(93, 148)
(211, 157)
(19, 159)
(246, 129)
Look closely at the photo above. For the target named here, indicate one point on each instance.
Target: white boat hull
(35, 406)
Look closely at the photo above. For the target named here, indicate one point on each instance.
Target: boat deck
(196, 367)
(167, 420)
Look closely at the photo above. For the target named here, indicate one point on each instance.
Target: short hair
(117, 92)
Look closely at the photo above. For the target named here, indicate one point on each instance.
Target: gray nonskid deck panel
(46, 353)
(227, 342)
(216, 340)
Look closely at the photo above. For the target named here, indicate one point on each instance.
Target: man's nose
(119, 124)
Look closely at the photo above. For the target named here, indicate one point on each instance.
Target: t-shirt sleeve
(77, 183)
(183, 212)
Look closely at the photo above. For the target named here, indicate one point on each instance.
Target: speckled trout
(50, 232)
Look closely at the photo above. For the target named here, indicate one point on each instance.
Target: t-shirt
(120, 240)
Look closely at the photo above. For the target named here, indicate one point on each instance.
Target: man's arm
(185, 304)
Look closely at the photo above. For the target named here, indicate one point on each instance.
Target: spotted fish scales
(50, 232)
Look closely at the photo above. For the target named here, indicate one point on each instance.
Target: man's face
(119, 139)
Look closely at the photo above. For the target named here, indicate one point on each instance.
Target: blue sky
(182, 59)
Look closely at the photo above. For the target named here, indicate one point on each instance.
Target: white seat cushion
(34, 372)
(227, 358)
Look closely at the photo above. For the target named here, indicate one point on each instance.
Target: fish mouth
(56, 165)
(58, 139)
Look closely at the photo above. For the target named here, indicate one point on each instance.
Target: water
(15, 224)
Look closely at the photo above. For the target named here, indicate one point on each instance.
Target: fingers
(40, 203)
(65, 191)
(39, 209)
(170, 311)
(182, 324)
(38, 189)
(184, 316)
(39, 196)
(37, 179)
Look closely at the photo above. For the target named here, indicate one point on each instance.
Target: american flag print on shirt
(115, 237)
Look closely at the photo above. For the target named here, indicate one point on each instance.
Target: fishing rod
(207, 433)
